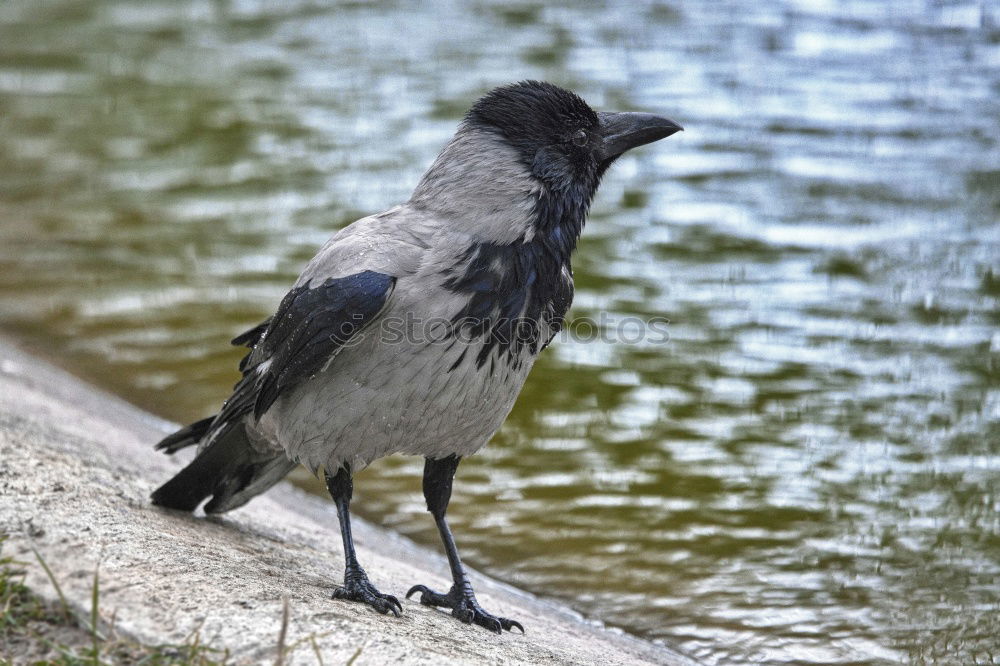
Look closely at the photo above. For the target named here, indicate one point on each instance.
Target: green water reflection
(806, 471)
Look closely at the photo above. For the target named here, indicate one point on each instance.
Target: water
(805, 472)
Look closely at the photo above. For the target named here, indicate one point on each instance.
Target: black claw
(417, 588)
(360, 589)
(510, 624)
(429, 597)
(396, 606)
(464, 607)
(490, 623)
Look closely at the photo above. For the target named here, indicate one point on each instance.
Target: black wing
(311, 325)
(250, 339)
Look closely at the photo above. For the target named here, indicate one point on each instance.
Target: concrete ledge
(76, 470)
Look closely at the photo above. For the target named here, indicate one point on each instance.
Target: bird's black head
(525, 164)
(566, 144)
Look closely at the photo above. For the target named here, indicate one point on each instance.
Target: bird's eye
(580, 138)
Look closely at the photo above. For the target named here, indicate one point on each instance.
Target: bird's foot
(357, 587)
(464, 606)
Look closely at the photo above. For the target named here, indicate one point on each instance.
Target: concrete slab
(76, 470)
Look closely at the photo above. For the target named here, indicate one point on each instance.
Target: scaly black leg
(356, 587)
(438, 475)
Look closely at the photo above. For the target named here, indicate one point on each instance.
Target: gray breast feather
(403, 384)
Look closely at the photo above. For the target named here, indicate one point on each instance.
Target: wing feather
(312, 324)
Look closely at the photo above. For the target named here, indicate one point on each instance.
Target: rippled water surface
(805, 472)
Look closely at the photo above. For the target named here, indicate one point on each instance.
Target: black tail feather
(189, 487)
(186, 436)
(247, 482)
(228, 470)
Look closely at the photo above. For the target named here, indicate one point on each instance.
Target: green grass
(55, 635)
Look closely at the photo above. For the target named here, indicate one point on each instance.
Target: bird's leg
(356, 587)
(438, 476)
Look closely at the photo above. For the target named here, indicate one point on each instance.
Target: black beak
(624, 131)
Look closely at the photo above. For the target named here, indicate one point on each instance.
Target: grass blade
(283, 634)
(55, 584)
(95, 636)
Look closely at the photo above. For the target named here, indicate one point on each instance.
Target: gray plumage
(412, 331)
(415, 395)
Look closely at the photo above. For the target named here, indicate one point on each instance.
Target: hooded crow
(412, 331)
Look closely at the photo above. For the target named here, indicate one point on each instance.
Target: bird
(413, 330)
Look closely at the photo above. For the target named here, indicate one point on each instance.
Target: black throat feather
(518, 293)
